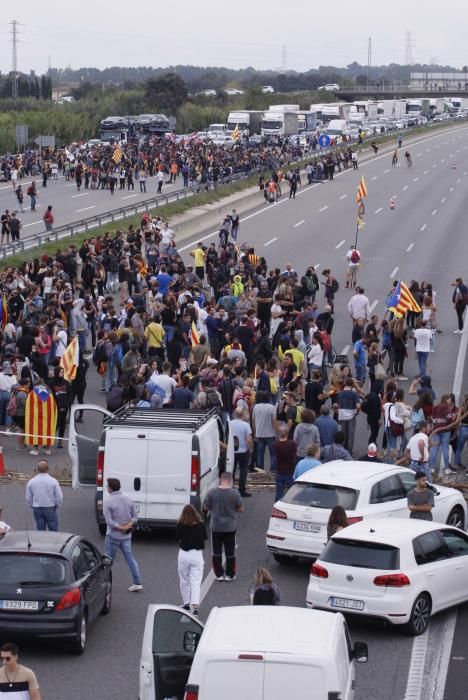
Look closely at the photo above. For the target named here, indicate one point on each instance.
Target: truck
(248, 122)
(306, 121)
(393, 109)
(362, 111)
(279, 124)
(414, 108)
(439, 105)
(335, 110)
(113, 136)
(337, 128)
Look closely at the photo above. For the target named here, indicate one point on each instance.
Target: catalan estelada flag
(236, 134)
(117, 154)
(3, 312)
(195, 334)
(401, 300)
(40, 418)
(362, 191)
(70, 359)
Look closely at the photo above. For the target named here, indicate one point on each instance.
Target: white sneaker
(135, 587)
(230, 578)
(457, 331)
(47, 452)
(33, 452)
(448, 471)
(403, 379)
(220, 578)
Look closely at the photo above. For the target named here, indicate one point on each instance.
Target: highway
(422, 238)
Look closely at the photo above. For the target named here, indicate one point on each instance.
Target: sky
(234, 34)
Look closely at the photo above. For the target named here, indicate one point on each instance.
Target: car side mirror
(106, 561)
(360, 652)
(191, 640)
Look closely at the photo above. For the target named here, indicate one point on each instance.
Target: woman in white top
(276, 316)
(315, 354)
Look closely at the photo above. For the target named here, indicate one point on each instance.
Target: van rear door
(126, 458)
(170, 640)
(168, 473)
(84, 437)
(305, 681)
(239, 677)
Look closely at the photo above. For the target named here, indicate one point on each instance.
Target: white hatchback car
(298, 522)
(398, 571)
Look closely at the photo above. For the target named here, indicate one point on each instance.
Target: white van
(164, 458)
(249, 652)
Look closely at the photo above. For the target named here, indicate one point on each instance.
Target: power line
(409, 44)
(14, 58)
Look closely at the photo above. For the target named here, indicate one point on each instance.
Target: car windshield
(271, 125)
(321, 496)
(31, 569)
(366, 555)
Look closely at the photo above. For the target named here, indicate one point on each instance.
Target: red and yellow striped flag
(117, 154)
(362, 191)
(236, 134)
(70, 359)
(40, 417)
(195, 334)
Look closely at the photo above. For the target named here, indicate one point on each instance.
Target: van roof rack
(182, 419)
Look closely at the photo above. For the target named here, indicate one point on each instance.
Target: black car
(52, 585)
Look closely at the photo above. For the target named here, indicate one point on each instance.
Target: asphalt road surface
(422, 238)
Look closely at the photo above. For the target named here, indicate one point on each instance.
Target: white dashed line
(435, 165)
(444, 199)
(299, 223)
(415, 179)
(272, 240)
(394, 271)
(129, 196)
(434, 212)
(340, 244)
(345, 350)
(323, 208)
(377, 211)
(427, 150)
(387, 170)
(85, 209)
(405, 188)
(33, 223)
(375, 177)
(419, 154)
(458, 181)
(373, 305)
(451, 189)
(423, 227)
(425, 172)
(343, 196)
(83, 194)
(443, 160)
(410, 247)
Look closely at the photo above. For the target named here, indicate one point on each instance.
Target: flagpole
(356, 236)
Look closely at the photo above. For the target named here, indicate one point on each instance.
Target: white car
(329, 87)
(398, 571)
(267, 89)
(298, 522)
(233, 91)
(208, 93)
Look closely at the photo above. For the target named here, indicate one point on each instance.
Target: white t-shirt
(413, 446)
(166, 383)
(275, 308)
(61, 343)
(423, 338)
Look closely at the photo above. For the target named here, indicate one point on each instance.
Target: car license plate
(309, 527)
(347, 603)
(19, 605)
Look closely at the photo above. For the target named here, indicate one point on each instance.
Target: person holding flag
(61, 390)
(4, 312)
(400, 300)
(40, 419)
(236, 134)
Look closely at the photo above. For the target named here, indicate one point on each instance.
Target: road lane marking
(410, 247)
(394, 271)
(377, 211)
(423, 227)
(343, 196)
(444, 199)
(33, 223)
(451, 189)
(375, 177)
(323, 208)
(415, 682)
(299, 223)
(129, 196)
(434, 212)
(435, 165)
(439, 670)
(340, 244)
(272, 240)
(85, 208)
(373, 305)
(345, 350)
(458, 181)
(405, 187)
(387, 170)
(443, 160)
(427, 150)
(415, 179)
(425, 172)
(419, 154)
(83, 194)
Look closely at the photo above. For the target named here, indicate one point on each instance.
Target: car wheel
(420, 615)
(284, 559)
(456, 518)
(78, 645)
(102, 528)
(107, 599)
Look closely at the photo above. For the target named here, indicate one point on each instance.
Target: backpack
(212, 399)
(115, 398)
(99, 354)
(11, 407)
(325, 340)
(335, 286)
(355, 257)
(29, 190)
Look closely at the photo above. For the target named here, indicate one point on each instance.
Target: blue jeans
(125, 547)
(169, 330)
(462, 437)
(424, 467)
(262, 444)
(422, 359)
(4, 399)
(46, 518)
(360, 372)
(440, 440)
(282, 480)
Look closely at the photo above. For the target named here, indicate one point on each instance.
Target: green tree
(168, 92)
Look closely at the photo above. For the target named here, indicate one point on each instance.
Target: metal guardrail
(83, 225)
(36, 240)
